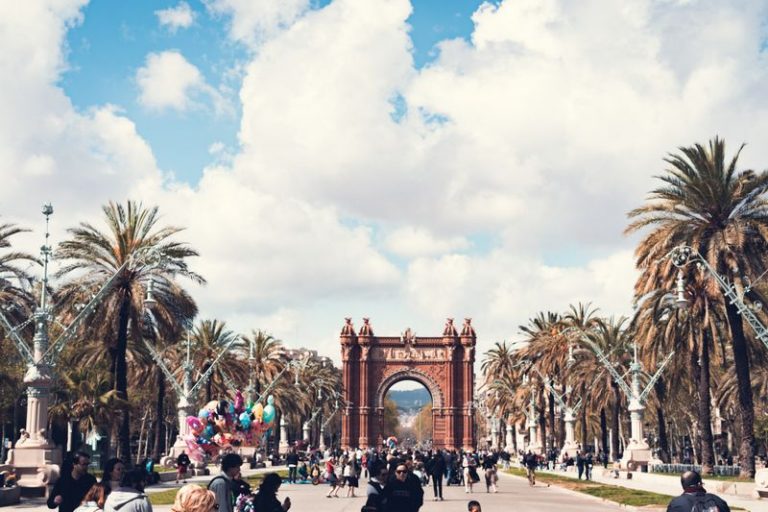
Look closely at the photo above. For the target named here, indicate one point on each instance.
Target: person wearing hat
(695, 497)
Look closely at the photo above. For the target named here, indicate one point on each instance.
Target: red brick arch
(444, 365)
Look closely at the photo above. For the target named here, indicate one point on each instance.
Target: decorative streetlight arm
(58, 344)
(656, 376)
(168, 375)
(208, 372)
(681, 255)
(608, 366)
(13, 334)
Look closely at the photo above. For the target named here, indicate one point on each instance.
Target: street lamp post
(185, 392)
(35, 457)
(637, 452)
(684, 254)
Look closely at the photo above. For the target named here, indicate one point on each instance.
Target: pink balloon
(195, 424)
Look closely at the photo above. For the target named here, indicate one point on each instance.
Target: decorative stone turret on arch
(444, 365)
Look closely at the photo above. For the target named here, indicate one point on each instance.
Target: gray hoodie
(127, 499)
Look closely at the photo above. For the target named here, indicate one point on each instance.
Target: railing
(681, 468)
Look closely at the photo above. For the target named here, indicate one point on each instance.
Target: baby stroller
(457, 476)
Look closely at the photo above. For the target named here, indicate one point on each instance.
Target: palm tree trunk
(615, 419)
(603, 430)
(705, 410)
(661, 393)
(121, 377)
(552, 420)
(746, 404)
(157, 449)
(583, 428)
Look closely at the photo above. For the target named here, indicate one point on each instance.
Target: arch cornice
(438, 399)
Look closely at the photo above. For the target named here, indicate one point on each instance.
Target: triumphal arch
(443, 364)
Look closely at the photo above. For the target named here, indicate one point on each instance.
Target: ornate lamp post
(185, 392)
(637, 452)
(684, 254)
(35, 457)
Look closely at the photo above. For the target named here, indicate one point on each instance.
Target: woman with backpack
(350, 477)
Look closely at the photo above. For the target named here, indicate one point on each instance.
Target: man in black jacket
(75, 481)
(292, 461)
(695, 497)
(400, 495)
(436, 469)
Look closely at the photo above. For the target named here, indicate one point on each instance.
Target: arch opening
(408, 414)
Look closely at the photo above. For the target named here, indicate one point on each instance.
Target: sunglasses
(401, 471)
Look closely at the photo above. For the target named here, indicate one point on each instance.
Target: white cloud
(174, 18)
(253, 21)
(538, 136)
(412, 242)
(168, 81)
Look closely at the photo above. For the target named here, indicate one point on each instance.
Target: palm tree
(266, 358)
(723, 214)
(15, 280)
(208, 339)
(94, 256)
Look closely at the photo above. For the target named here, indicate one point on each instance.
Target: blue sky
(325, 203)
(115, 37)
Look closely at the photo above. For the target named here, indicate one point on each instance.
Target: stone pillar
(305, 431)
(321, 446)
(450, 430)
(364, 440)
(494, 433)
(509, 440)
(284, 446)
(570, 446)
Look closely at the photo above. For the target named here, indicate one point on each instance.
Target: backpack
(705, 504)
(232, 496)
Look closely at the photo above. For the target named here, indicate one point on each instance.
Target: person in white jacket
(129, 497)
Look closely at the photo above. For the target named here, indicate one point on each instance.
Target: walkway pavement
(735, 493)
(514, 494)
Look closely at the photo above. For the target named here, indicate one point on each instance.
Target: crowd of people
(395, 482)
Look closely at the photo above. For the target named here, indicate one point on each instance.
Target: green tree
(391, 417)
(92, 256)
(722, 213)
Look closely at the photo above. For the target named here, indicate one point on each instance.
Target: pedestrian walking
(399, 494)
(350, 477)
(129, 497)
(266, 499)
(436, 469)
(470, 472)
(113, 475)
(292, 460)
(580, 464)
(489, 469)
(222, 484)
(75, 482)
(695, 498)
(182, 464)
(588, 463)
(332, 478)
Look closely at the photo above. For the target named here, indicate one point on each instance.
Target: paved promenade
(514, 495)
(735, 493)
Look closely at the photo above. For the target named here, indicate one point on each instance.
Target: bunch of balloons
(223, 423)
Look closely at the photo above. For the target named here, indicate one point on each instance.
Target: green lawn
(167, 497)
(614, 493)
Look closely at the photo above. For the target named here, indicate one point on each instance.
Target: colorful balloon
(245, 420)
(195, 424)
(258, 412)
(269, 413)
